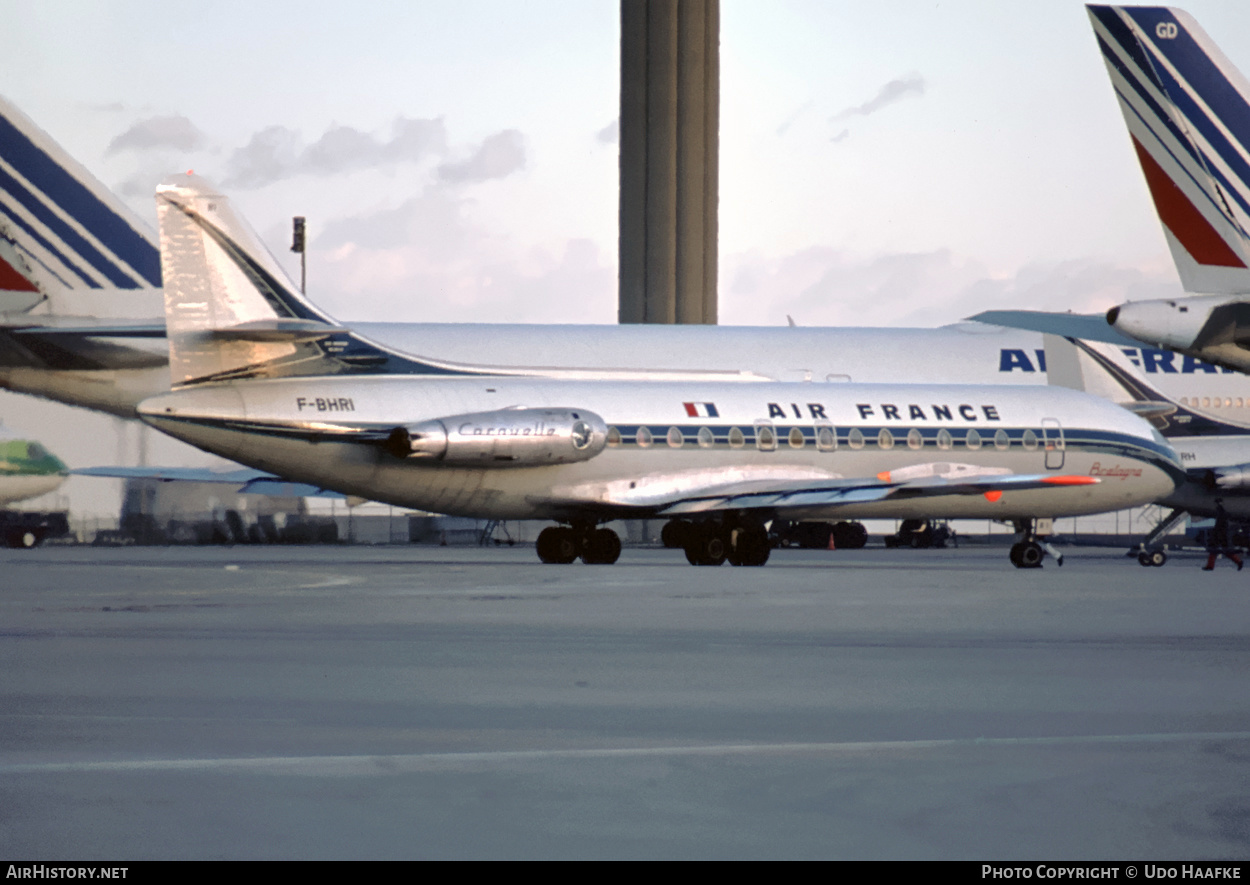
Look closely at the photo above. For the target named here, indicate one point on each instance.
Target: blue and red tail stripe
(52, 193)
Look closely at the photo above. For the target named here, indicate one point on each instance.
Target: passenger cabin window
(765, 437)
(826, 438)
(1002, 441)
(675, 439)
(797, 438)
(706, 438)
(614, 437)
(643, 437)
(973, 439)
(737, 439)
(914, 439)
(1030, 440)
(855, 439)
(944, 440)
(885, 439)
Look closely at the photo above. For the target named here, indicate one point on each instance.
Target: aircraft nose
(1113, 315)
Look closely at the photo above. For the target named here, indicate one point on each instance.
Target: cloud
(278, 153)
(498, 156)
(794, 117)
(610, 134)
(891, 92)
(174, 132)
(431, 260)
(821, 286)
(271, 155)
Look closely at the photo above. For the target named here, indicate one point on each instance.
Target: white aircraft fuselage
(650, 443)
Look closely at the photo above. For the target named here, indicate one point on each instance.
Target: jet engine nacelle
(1230, 478)
(1174, 322)
(504, 438)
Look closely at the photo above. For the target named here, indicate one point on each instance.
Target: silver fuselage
(277, 425)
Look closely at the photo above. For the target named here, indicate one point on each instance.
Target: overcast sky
(907, 163)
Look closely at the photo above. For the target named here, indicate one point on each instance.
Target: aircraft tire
(557, 545)
(707, 545)
(849, 535)
(751, 548)
(1152, 558)
(603, 547)
(673, 535)
(1029, 554)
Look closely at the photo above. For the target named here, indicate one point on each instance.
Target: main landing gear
(1030, 550)
(711, 543)
(563, 544)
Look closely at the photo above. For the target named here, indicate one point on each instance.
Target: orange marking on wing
(1071, 480)
(993, 496)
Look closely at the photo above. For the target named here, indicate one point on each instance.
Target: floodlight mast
(297, 245)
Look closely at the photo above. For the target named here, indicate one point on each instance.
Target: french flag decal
(701, 410)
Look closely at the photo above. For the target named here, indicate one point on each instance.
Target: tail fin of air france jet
(231, 311)
(1188, 115)
(68, 246)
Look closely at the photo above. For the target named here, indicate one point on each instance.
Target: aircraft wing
(246, 481)
(798, 496)
(1090, 327)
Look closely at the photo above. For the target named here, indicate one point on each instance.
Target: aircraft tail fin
(68, 245)
(232, 312)
(1188, 114)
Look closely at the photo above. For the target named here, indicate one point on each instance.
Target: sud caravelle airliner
(263, 377)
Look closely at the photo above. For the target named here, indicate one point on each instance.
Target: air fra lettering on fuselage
(1150, 360)
(325, 404)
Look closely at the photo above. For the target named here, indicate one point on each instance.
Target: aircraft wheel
(752, 547)
(707, 545)
(674, 533)
(1027, 554)
(1152, 558)
(603, 547)
(28, 540)
(557, 545)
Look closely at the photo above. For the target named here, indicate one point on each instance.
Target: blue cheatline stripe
(1198, 69)
(85, 278)
(70, 237)
(77, 201)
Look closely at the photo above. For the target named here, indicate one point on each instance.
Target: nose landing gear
(1030, 550)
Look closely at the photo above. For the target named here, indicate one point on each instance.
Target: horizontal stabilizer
(248, 481)
(1089, 327)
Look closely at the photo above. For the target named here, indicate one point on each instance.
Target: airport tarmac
(415, 702)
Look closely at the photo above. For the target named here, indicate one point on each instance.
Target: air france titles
(893, 412)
